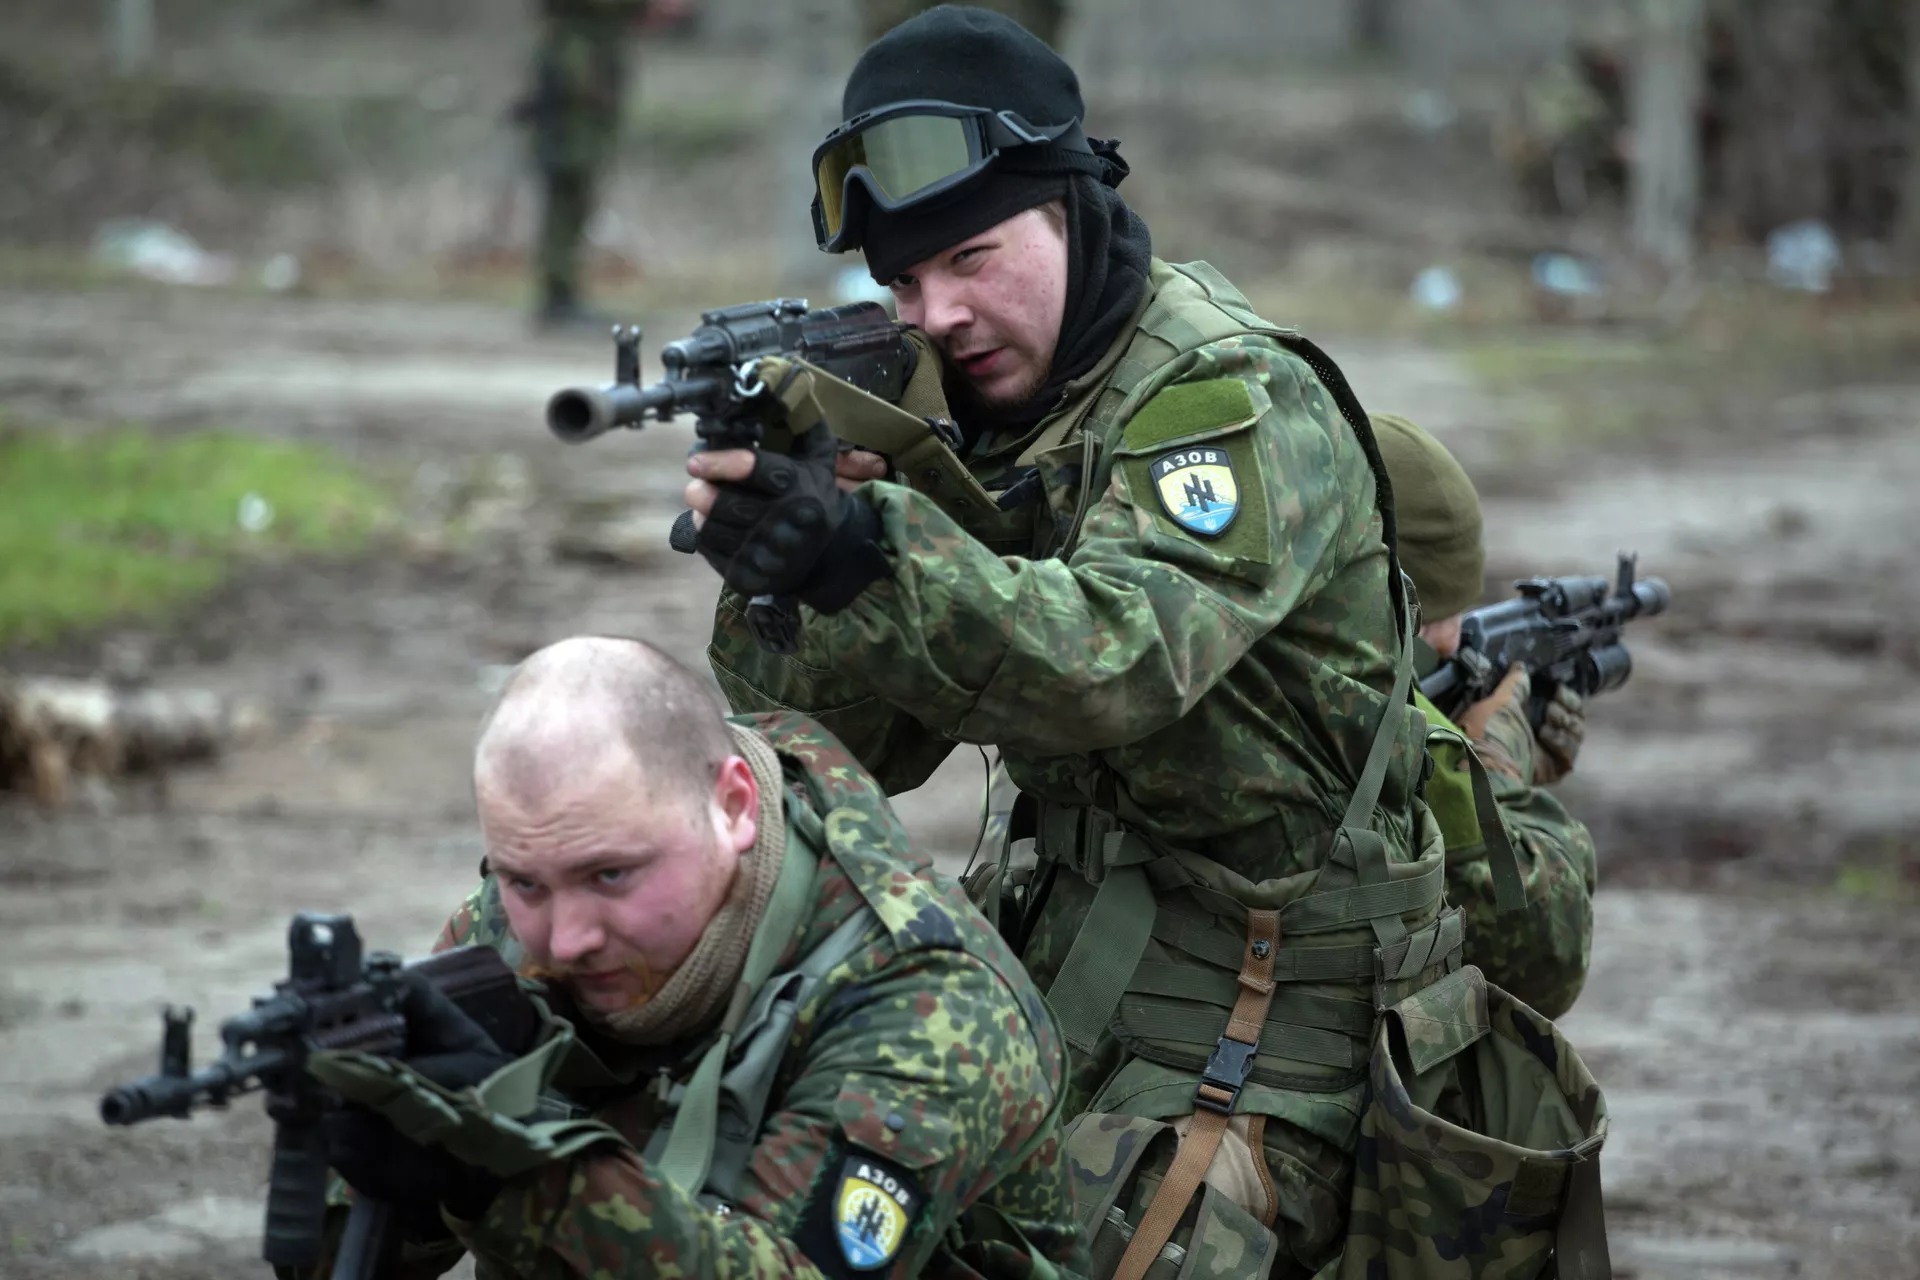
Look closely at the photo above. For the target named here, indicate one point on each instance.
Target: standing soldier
(573, 110)
(1147, 550)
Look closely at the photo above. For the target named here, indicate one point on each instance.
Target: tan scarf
(695, 997)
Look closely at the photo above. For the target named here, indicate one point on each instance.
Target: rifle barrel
(171, 1095)
(578, 414)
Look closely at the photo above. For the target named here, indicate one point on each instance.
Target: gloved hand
(1498, 727)
(449, 1048)
(789, 530)
(1559, 736)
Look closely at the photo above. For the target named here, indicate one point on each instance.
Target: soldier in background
(573, 114)
(1044, 18)
(1541, 954)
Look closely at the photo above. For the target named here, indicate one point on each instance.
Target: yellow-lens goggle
(908, 152)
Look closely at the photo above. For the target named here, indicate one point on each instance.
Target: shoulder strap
(747, 1087)
(689, 1151)
(1349, 404)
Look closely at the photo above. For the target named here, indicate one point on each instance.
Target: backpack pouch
(1480, 1121)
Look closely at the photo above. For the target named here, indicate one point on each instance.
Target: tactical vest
(1233, 999)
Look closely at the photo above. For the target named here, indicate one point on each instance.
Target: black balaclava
(975, 57)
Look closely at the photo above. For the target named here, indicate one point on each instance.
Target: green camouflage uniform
(1540, 956)
(1043, 18)
(1214, 692)
(580, 73)
(929, 1047)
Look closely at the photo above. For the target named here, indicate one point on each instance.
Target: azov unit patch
(872, 1209)
(1198, 489)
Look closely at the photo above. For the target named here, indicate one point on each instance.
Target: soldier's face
(608, 883)
(992, 304)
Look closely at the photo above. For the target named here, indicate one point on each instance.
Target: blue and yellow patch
(873, 1207)
(1198, 488)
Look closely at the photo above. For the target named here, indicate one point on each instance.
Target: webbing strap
(1094, 975)
(1509, 893)
(1201, 940)
(1214, 1100)
(1580, 1239)
(689, 1151)
(1367, 792)
(1200, 1027)
(1429, 946)
(1339, 908)
(1211, 987)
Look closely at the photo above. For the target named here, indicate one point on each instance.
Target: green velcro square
(1186, 408)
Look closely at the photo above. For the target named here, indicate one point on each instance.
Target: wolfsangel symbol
(1198, 489)
(871, 1213)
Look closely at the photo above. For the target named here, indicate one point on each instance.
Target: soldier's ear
(736, 804)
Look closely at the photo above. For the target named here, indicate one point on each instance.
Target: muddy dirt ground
(1754, 1007)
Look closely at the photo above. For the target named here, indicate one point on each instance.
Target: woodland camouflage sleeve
(926, 1078)
(1540, 956)
(1163, 594)
(894, 747)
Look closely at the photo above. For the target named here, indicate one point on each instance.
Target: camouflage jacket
(1540, 955)
(1213, 677)
(928, 1054)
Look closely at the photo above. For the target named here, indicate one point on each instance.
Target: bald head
(594, 703)
(615, 812)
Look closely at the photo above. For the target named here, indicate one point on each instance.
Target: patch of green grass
(109, 524)
(1875, 883)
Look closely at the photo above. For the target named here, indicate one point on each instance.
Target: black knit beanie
(975, 57)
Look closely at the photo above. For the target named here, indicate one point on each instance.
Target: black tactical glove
(788, 530)
(449, 1048)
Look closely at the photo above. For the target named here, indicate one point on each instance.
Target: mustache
(649, 987)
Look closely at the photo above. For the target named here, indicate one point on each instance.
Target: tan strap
(1214, 1100)
(1257, 1140)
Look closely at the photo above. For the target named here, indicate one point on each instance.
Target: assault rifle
(1566, 631)
(713, 374)
(332, 998)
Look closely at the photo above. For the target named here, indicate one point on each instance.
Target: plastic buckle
(1227, 1070)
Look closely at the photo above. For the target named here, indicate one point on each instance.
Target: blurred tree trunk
(1664, 111)
(130, 34)
(1907, 233)
(1817, 116)
(1373, 25)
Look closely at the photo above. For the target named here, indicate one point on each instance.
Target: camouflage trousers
(567, 204)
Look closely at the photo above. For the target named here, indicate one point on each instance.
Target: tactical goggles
(907, 153)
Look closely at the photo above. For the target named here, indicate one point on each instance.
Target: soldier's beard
(974, 410)
(639, 995)
(694, 995)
